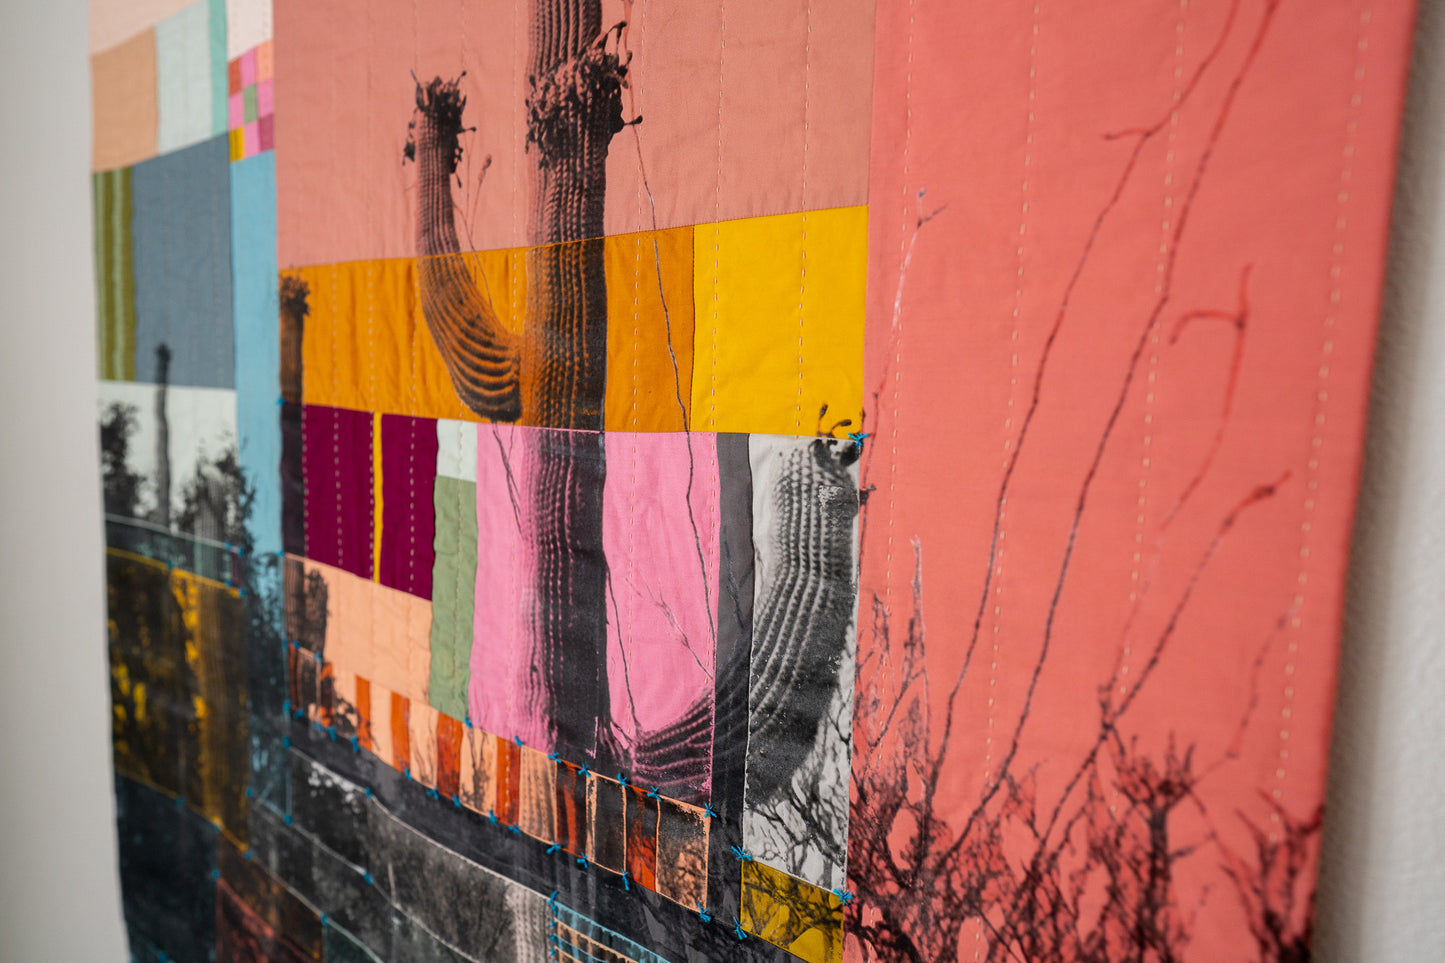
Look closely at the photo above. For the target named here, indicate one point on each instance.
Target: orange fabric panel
(400, 732)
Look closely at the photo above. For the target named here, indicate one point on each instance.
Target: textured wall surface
(1382, 881)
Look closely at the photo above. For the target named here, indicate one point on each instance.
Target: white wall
(1382, 886)
(1382, 891)
(59, 893)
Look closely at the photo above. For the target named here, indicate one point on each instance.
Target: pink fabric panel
(663, 559)
(501, 652)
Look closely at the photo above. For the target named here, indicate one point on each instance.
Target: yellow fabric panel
(749, 325)
(649, 330)
(791, 914)
(365, 344)
(780, 321)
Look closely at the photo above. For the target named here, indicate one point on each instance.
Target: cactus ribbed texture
(574, 108)
(480, 353)
(772, 697)
(801, 627)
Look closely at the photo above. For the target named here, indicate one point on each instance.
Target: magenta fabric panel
(408, 517)
(336, 464)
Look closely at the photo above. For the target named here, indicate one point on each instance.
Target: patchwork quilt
(650, 481)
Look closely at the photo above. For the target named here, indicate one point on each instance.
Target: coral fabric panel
(1155, 352)
(719, 139)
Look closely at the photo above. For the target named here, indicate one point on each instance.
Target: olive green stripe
(125, 270)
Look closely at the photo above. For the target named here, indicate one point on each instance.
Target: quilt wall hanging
(650, 480)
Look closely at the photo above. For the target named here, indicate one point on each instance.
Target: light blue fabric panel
(220, 83)
(258, 341)
(184, 78)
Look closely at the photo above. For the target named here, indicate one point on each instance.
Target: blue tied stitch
(518, 741)
(248, 855)
(407, 773)
(280, 401)
(215, 874)
(492, 816)
(552, 901)
(457, 801)
(355, 744)
(180, 802)
(626, 881)
(367, 876)
(286, 707)
(856, 437)
(368, 792)
(250, 793)
(331, 731)
(553, 848)
(710, 812)
(317, 656)
(582, 861)
(468, 721)
(288, 819)
(845, 895)
(738, 929)
(241, 592)
(585, 771)
(652, 793)
(515, 828)
(703, 914)
(285, 742)
(433, 794)
(300, 713)
(622, 778)
(554, 757)
(323, 919)
(742, 855)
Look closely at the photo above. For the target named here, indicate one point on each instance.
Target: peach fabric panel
(1007, 199)
(377, 632)
(345, 96)
(123, 94)
(113, 22)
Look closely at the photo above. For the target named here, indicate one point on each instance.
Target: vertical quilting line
(632, 490)
(413, 505)
(803, 223)
(457, 630)
(897, 327)
(1138, 584)
(717, 211)
(377, 494)
(1316, 444)
(1015, 321)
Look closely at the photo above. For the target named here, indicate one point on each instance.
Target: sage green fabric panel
(453, 594)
